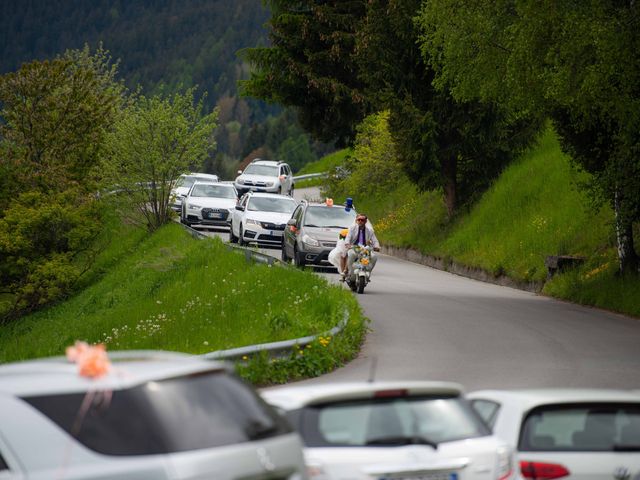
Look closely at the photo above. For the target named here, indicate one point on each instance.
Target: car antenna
(372, 369)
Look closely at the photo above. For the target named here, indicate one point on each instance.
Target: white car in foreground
(152, 416)
(209, 204)
(261, 218)
(571, 434)
(391, 431)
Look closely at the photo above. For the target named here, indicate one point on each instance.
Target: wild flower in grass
(596, 271)
(205, 343)
(244, 357)
(324, 341)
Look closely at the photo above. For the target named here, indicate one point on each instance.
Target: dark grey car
(312, 232)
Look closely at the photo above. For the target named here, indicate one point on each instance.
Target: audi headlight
(193, 206)
(306, 239)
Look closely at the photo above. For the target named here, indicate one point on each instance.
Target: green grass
(533, 210)
(170, 291)
(325, 164)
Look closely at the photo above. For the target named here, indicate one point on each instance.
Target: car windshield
(276, 203)
(213, 190)
(191, 412)
(582, 428)
(185, 181)
(322, 216)
(267, 170)
(397, 421)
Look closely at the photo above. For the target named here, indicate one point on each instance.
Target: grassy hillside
(170, 291)
(533, 210)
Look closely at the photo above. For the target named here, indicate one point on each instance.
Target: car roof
(55, 375)
(266, 162)
(200, 175)
(530, 398)
(294, 397)
(269, 195)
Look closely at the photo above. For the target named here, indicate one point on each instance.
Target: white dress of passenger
(340, 250)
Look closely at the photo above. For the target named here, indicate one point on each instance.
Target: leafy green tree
(577, 62)
(458, 146)
(53, 121)
(154, 141)
(310, 65)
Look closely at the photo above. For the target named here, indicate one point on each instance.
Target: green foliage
(577, 62)
(154, 141)
(53, 118)
(309, 65)
(170, 291)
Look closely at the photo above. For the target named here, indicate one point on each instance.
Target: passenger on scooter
(361, 234)
(338, 256)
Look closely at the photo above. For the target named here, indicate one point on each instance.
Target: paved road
(429, 324)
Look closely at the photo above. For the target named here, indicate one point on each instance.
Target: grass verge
(170, 291)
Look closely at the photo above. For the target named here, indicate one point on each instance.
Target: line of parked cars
(166, 415)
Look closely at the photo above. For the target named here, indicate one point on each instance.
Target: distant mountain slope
(188, 42)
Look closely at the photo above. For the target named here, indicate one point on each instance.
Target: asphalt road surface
(433, 325)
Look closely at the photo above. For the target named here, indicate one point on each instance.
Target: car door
(237, 214)
(286, 182)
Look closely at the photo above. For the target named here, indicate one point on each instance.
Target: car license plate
(214, 215)
(425, 476)
(276, 233)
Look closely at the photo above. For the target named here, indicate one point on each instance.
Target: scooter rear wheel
(361, 282)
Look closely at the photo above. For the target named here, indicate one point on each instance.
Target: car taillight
(542, 470)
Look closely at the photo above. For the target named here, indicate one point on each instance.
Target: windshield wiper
(310, 225)
(416, 440)
(334, 226)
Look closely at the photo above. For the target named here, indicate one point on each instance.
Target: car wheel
(232, 237)
(298, 258)
(241, 241)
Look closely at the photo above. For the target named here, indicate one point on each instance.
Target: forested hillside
(164, 44)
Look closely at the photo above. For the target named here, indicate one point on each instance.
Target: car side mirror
(240, 207)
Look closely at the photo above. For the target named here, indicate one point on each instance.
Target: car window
(185, 181)
(192, 412)
(214, 191)
(276, 204)
(583, 428)
(322, 216)
(487, 409)
(390, 422)
(297, 214)
(267, 170)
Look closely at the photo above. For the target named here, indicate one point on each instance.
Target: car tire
(241, 241)
(232, 237)
(298, 258)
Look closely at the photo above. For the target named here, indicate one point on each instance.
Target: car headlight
(269, 184)
(240, 181)
(310, 241)
(251, 221)
(193, 206)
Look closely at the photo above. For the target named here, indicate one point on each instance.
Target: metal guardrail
(273, 349)
(310, 175)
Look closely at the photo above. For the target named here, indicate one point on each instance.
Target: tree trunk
(627, 256)
(449, 173)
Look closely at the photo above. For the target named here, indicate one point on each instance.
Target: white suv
(265, 176)
(154, 415)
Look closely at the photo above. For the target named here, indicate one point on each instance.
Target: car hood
(322, 233)
(273, 217)
(258, 178)
(213, 202)
(178, 191)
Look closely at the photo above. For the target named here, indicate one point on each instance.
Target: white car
(572, 434)
(154, 415)
(265, 176)
(209, 204)
(261, 218)
(184, 183)
(391, 431)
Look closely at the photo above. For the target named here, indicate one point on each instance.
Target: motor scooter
(361, 271)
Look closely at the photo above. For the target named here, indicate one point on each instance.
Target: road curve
(430, 324)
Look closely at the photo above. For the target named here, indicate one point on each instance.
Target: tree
(154, 141)
(310, 66)
(577, 62)
(458, 146)
(53, 118)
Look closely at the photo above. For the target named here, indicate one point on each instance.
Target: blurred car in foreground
(391, 430)
(183, 184)
(260, 218)
(155, 415)
(573, 434)
(312, 232)
(209, 204)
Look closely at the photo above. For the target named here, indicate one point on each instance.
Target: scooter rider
(361, 234)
